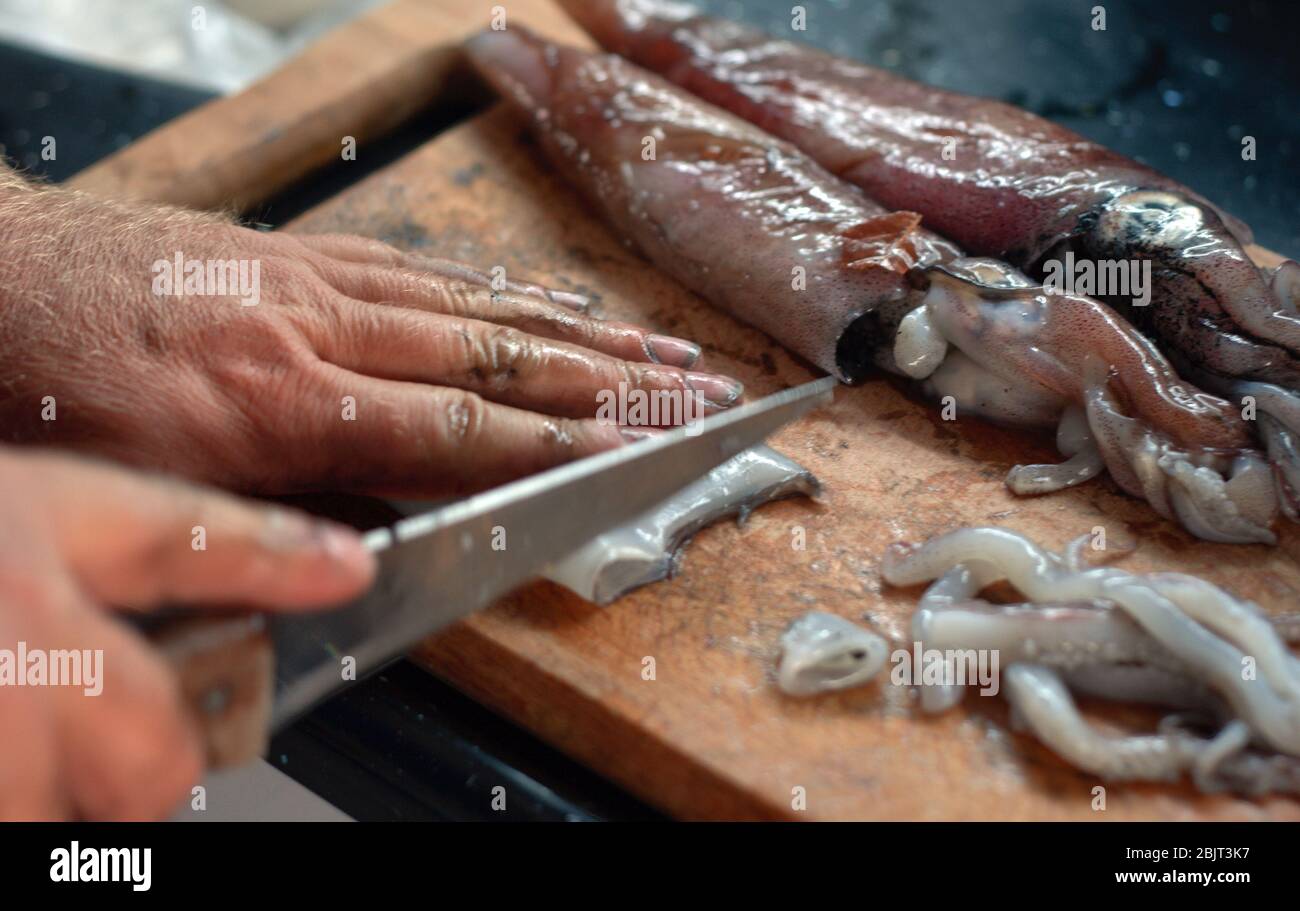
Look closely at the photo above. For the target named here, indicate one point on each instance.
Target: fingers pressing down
(412, 440)
(363, 250)
(436, 377)
(507, 365)
(535, 311)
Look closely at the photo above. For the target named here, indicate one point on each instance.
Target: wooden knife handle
(226, 667)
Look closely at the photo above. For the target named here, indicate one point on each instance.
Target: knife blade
(248, 675)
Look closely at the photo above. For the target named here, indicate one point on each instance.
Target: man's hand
(356, 366)
(78, 536)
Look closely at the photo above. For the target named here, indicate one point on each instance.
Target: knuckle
(372, 248)
(304, 283)
(153, 782)
(261, 338)
(181, 764)
(461, 418)
(154, 766)
(578, 329)
(461, 300)
(628, 373)
(500, 354)
(265, 378)
(562, 438)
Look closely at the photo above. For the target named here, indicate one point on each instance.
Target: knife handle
(225, 664)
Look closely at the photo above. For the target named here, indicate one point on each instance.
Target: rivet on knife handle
(226, 668)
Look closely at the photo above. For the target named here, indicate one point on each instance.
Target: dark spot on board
(466, 176)
(406, 235)
(768, 364)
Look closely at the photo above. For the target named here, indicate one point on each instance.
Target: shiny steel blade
(440, 566)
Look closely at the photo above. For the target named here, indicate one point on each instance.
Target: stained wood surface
(359, 80)
(710, 736)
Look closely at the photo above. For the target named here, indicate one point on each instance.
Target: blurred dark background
(1174, 83)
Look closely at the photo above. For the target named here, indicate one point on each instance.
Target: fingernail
(675, 352)
(718, 391)
(290, 532)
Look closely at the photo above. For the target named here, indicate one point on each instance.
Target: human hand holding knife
(245, 676)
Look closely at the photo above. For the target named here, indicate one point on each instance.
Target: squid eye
(1152, 219)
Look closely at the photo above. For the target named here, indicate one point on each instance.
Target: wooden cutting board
(709, 736)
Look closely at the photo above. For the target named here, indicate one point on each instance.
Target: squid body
(1005, 183)
(758, 228)
(646, 550)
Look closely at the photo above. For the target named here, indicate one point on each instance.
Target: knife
(244, 676)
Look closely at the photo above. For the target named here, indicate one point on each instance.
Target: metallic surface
(440, 566)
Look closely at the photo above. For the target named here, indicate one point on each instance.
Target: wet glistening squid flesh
(1164, 639)
(1005, 183)
(736, 215)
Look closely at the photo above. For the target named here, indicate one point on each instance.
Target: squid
(1005, 183)
(822, 652)
(1163, 639)
(757, 228)
(648, 548)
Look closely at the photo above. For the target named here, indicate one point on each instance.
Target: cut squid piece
(822, 652)
(647, 549)
(1165, 639)
(760, 230)
(997, 180)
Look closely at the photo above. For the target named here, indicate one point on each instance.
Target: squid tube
(1005, 183)
(759, 229)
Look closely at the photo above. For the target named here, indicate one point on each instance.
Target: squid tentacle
(1185, 452)
(1041, 701)
(1164, 638)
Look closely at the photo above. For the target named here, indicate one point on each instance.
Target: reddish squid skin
(730, 211)
(1015, 186)
(760, 230)
(993, 178)
(750, 223)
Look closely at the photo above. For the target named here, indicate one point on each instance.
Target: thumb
(139, 541)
